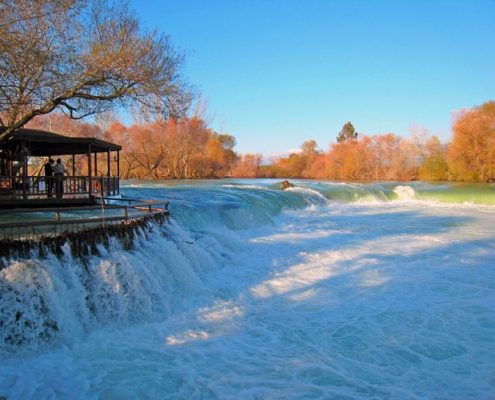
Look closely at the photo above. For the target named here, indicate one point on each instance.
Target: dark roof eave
(42, 143)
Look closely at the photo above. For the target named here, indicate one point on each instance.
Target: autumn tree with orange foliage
(175, 150)
(188, 148)
(170, 149)
(380, 157)
(248, 166)
(299, 164)
(218, 158)
(471, 156)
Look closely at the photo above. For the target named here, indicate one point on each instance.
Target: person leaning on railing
(59, 172)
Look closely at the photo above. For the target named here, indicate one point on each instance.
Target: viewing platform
(40, 210)
(24, 230)
(24, 148)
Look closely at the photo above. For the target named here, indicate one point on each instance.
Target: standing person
(49, 177)
(59, 171)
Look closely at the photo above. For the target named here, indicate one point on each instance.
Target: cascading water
(324, 290)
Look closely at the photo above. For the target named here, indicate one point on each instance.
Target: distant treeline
(190, 149)
(470, 156)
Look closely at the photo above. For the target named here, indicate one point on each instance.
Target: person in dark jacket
(49, 177)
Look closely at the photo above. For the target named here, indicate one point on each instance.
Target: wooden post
(108, 163)
(117, 183)
(89, 171)
(118, 163)
(24, 176)
(74, 174)
(96, 164)
(11, 174)
(108, 173)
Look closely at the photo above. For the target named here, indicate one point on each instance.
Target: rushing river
(322, 291)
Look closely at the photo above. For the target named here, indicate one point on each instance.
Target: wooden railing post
(24, 178)
(90, 183)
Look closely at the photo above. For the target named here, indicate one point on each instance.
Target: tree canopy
(347, 133)
(188, 148)
(83, 57)
(471, 155)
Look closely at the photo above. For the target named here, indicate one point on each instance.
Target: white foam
(244, 186)
(405, 193)
(389, 300)
(314, 196)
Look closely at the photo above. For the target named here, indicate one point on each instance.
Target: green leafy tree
(347, 133)
(434, 166)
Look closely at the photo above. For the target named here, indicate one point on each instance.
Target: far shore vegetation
(187, 148)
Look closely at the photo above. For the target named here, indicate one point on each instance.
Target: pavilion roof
(43, 143)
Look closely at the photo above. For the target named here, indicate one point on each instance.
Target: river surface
(322, 291)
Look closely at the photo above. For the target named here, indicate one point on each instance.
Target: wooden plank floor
(46, 202)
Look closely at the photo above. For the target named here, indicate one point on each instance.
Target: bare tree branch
(84, 58)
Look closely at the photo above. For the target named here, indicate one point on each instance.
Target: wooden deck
(37, 223)
(46, 202)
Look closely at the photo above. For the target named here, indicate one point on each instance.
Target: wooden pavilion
(19, 189)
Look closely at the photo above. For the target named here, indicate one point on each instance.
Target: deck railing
(33, 224)
(46, 186)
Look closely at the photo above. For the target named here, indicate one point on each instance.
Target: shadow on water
(368, 313)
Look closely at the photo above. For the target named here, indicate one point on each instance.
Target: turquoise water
(448, 192)
(323, 291)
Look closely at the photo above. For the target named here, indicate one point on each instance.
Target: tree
(218, 157)
(350, 160)
(309, 153)
(83, 58)
(247, 166)
(309, 148)
(383, 148)
(290, 167)
(348, 133)
(471, 156)
(434, 166)
(392, 156)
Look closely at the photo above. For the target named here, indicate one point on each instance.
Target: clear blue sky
(279, 72)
